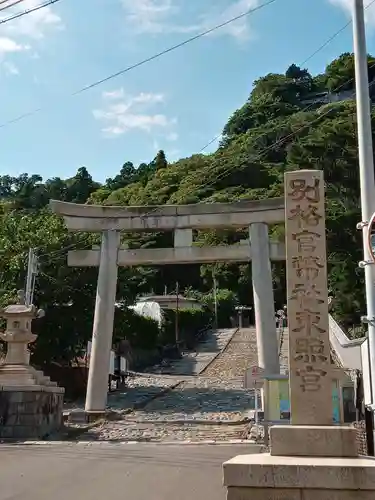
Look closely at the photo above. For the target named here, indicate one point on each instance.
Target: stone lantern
(18, 331)
(16, 368)
(30, 403)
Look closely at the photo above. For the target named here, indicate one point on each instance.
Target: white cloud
(164, 16)
(239, 29)
(148, 16)
(149, 98)
(7, 45)
(114, 94)
(20, 34)
(34, 25)
(10, 68)
(125, 112)
(347, 5)
(172, 136)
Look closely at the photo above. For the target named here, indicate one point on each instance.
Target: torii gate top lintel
(168, 217)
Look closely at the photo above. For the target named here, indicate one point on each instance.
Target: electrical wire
(279, 142)
(9, 5)
(25, 13)
(216, 138)
(144, 61)
(311, 56)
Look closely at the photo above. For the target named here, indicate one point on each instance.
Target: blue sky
(178, 102)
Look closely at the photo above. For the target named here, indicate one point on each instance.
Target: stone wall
(361, 437)
(30, 414)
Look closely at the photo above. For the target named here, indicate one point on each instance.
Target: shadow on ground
(186, 400)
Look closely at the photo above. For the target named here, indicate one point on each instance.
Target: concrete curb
(219, 353)
(230, 423)
(124, 443)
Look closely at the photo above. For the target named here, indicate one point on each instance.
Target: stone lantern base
(30, 411)
(31, 405)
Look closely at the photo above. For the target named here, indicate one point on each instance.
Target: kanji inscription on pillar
(306, 261)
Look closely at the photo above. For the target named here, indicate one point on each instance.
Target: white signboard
(365, 358)
(111, 369)
(123, 365)
(254, 377)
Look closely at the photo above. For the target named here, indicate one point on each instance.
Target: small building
(172, 302)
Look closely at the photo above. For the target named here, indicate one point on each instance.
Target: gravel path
(210, 405)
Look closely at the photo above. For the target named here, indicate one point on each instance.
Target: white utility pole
(366, 169)
(32, 271)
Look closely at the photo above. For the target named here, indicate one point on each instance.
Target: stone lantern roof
(18, 310)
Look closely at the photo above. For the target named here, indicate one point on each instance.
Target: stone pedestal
(266, 477)
(31, 405)
(30, 412)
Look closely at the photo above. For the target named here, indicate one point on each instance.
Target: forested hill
(290, 121)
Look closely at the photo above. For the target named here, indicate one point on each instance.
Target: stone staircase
(240, 353)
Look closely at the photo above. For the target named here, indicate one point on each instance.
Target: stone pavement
(136, 472)
(212, 406)
(240, 353)
(196, 362)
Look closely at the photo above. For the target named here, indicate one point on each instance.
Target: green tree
(160, 161)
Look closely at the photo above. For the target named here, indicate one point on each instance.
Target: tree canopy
(280, 127)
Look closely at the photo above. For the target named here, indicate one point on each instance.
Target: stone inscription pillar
(309, 350)
(264, 307)
(97, 386)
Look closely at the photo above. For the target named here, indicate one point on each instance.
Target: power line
(140, 63)
(279, 142)
(330, 39)
(177, 46)
(311, 56)
(26, 12)
(216, 138)
(9, 5)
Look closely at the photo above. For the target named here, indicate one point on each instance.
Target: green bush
(190, 323)
(226, 306)
(141, 332)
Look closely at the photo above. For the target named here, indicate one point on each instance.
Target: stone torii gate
(181, 219)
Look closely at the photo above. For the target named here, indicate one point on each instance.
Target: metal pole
(215, 300)
(176, 321)
(265, 412)
(366, 167)
(256, 408)
(29, 277)
(35, 269)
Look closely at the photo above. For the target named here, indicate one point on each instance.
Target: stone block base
(83, 416)
(296, 494)
(266, 477)
(30, 414)
(308, 440)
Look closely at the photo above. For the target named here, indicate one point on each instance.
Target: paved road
(136, 472)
